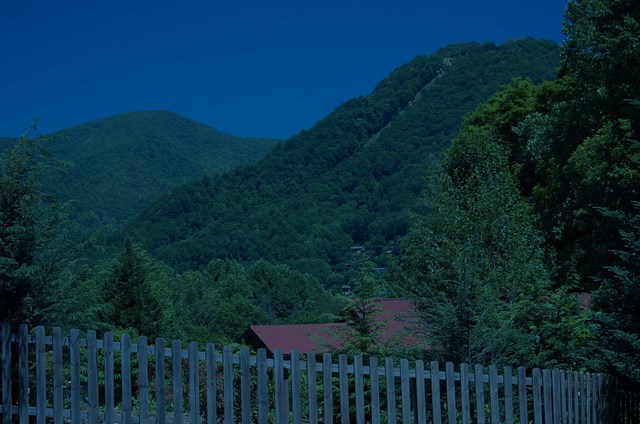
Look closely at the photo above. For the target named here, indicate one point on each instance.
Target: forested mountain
(350, 180)
(116, 166)
(535, 200)
(522, 202)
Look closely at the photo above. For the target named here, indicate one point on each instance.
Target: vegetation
(115, 167)
(350, 180)
(536, 201)
(522, 201)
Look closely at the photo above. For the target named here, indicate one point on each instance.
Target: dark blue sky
(249, 68)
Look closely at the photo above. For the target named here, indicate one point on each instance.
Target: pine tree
(137, 290)
(34, 236)
(618, 298)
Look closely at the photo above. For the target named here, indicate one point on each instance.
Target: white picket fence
(82, 379)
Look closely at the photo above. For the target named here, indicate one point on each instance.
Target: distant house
(395, 315)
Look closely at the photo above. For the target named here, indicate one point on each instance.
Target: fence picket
(194, 384)
(41, 376)
(58, 392)
(143, 379)
(7, 398)
(523, 404)
(23, 374)
(327, 388)
(570, 394)
(161, 406)
(227, 370)
(537, 398)
(245, 385)
(563, 396)
(405, 390)
(313, 395)
(420, 394)
(451, 393)
(74, 347)
(588, 397)
(465, 400)
(359, 388)
(296, 396)
(576, 397)
(374, 379)
(125, 357)
(547, 394)
(176, 356)
(478, 375)
(391, 390)
(508, 394)
(210, 358)
(263, 401)
(435, 392)
(344, 388)
(92, 374)
(109, 390)
(278, 375)
(556, 396)
(493, 394)
(583, 397)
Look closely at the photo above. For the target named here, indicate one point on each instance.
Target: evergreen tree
(618, 298)
(137, 292)
(362, 315)
(35, 236)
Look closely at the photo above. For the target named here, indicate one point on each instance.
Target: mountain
(350, 180)
(119, 165)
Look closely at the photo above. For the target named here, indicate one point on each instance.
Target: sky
(246, 67)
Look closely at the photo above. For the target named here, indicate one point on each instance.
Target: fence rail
(82, 379)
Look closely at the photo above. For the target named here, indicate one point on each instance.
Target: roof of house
(396, 316)
(302, 338)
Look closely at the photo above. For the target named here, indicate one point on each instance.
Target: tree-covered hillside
(350, 180)
(537, 200)
(118, 165)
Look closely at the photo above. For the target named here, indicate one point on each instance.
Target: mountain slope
(120, 164)
(352, 179)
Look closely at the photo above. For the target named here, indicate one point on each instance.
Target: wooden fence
(74, 379)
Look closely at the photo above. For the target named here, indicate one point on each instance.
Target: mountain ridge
(119, 164)
(351, 179)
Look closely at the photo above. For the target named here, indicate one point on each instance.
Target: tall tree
(35, 236)
(476, 257)
(137, 291)
(618, 298)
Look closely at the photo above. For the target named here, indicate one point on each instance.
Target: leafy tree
(476, 259)
(214, 304)
(586, 158)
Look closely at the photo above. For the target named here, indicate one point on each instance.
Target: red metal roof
(302, 338)
(395, 314)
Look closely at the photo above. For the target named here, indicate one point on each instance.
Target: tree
(35, 236)
(618, 298)
(362, 315)
(476, 259)
(137, 291)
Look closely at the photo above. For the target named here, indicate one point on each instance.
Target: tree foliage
(35, 236)
(351, 179)
(618, 298)
(136, 289)
(476, 258)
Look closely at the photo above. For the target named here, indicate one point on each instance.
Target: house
(396, 317)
